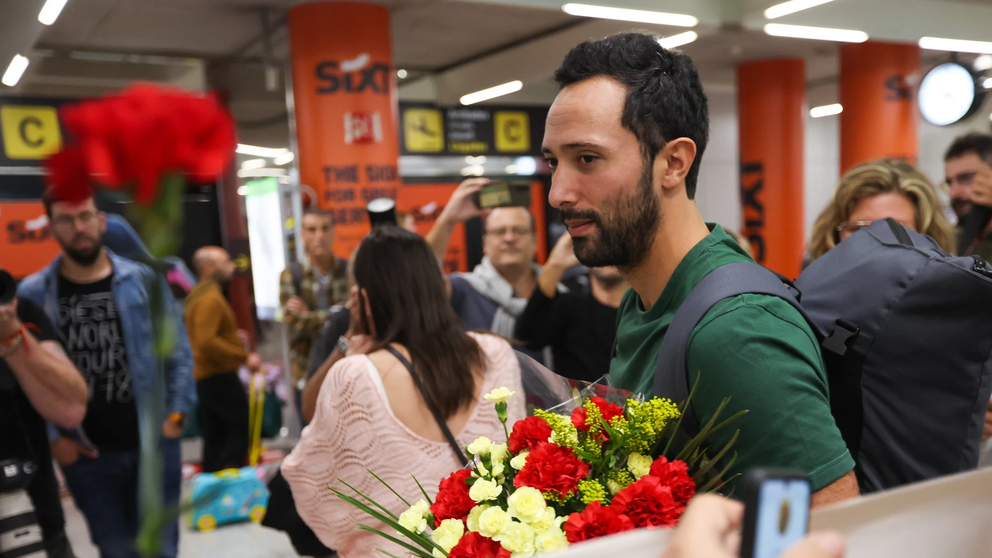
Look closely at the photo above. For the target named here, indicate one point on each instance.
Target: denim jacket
(134, 306)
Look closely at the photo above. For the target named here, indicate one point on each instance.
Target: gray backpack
(906, 334)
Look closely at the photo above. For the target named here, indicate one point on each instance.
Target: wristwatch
(344, 344)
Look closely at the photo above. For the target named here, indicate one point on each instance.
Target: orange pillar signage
(879, 118)
(346, 105)
(771, 97)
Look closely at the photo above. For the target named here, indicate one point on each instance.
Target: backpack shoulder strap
(296, 269)
(671, 378)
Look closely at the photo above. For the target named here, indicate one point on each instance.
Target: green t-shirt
(756, 349)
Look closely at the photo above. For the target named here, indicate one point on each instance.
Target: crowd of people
(390, 357)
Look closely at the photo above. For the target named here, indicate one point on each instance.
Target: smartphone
(776, 511)
(503, 194)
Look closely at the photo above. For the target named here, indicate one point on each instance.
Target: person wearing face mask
(624, 139)
(888, 188)
(494, 295)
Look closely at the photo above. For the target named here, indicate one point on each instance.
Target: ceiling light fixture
(401, 74)
(987, 84)
(956, 45)
(256, 151)
(284, 159)
(50, 11)
(826, 110)
(254, 173)
(624, 14)
(15, 70)
(492, 93)
(816, 33)
(792, 7)
(473, 170)
(678, 40)
(253, 164)
(982, 63)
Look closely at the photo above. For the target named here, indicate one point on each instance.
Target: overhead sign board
(471, 130)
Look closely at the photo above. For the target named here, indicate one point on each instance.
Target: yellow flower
(545, 522)
(493, 522)
(520, 460)
(590, 490)
(448, 533)
(549, 541)
(415, 518)
(480, 446)
(500, 395)
(498, 469)
(526, 504)
(484, 490)
(518, 538)
(614, 486)
(639, 465)
(473, 517)
(497, 452)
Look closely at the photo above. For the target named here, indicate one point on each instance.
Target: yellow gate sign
(512, 131)
(30, 132)
(423, 130)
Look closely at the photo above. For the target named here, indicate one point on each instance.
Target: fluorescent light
(624, 14)
(253, 164)
(473, 170)
(987, 84)
(257, 151)
(956, 45)
(982, 63)
(480, 160)
(284, 159)
(792, 7)
(678, 40)
(15, 70)
(401, 74)
(492, 92)
(252, 173)
(50, 11)
(817, 33)
(242, 190)
(826, 110)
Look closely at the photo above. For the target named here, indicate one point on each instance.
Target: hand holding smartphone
(776, 511)
(503, 194)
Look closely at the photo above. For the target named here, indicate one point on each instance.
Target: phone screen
(495, 195)
(782, 515)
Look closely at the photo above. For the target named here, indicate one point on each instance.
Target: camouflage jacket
(305, 328)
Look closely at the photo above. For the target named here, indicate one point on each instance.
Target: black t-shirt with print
(94, 339)
(23, 434)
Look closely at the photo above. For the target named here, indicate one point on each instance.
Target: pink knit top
(354, 429)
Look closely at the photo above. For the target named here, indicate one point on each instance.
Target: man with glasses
(968, 172)
(495, 293)
(98, 301)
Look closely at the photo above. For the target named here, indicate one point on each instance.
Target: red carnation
(648, 503)
(595, 521)
(474, 545)
(67, 176)
(527, 433)
(675, 475)
(608, 410)
(552, 468)
(452, 501)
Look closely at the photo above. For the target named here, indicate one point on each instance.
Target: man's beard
(961, 207)
(626, 231)
(84, 257)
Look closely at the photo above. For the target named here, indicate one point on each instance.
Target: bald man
(218, 352)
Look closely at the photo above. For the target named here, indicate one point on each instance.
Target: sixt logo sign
(352, 76)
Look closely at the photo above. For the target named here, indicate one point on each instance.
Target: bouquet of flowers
(559, 480)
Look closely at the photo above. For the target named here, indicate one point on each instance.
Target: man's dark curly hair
(665, 98)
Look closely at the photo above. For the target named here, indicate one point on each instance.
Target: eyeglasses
(964, 179)
(517, 231)
(855, 226)
(85, 218)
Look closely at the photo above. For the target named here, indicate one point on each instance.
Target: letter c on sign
(31, 121)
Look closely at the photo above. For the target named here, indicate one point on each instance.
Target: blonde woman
(879, 190)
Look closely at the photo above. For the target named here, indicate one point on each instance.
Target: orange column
(771, 97)
(346, 105)
(879, 118)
